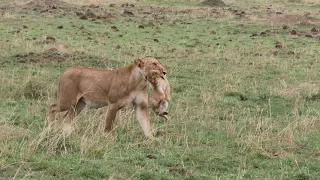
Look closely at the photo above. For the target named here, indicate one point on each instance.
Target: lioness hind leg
(75, 110)
(111, 115)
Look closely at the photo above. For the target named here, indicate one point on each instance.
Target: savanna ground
(244, 77)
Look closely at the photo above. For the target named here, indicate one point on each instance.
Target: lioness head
(148, 65)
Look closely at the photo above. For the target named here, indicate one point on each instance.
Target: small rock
(155, 40)
(291, 52)
(25, 27)
(128, 13)
(293, 32)
(213, 32)
(125, 5)
(141, 26)
(285, 27)
(45, 10)
(50, 38)
(90, 14)
(314, 30)
(60, 27)
(83, 17)
(278, 44)
(263, 33)
(309, 36)
(112, 5)
(275, 53)
(150, 156)
(79, 13)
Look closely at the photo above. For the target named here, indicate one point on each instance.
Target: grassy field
(244, 78)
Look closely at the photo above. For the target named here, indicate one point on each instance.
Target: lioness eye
(154, 64)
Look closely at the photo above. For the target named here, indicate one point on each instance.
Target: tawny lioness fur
(160, 96)
(81, 87)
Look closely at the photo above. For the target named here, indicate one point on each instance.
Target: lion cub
(160, 95)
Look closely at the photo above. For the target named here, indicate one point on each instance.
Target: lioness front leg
(111, 115)
(142, 113)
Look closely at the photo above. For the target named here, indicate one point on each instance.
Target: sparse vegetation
(244, 77)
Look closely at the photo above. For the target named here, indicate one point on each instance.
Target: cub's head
(155, 77)
(149, 64)
(160, 108)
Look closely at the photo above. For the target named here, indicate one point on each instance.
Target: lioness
(81, 87)
(160, 96)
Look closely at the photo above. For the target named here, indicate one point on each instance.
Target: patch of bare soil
(294, 19)
(282, 16)
(54, 4)
(41, 6)
(52, 55)
(45, 57)
(181, 171)
(89, 14)
(285, 30)
(213, 3)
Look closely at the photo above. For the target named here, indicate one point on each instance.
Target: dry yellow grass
(10, 132)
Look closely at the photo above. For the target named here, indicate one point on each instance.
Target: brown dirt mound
(45, 57)
(46, 3)
(52, 55)
(213, 3)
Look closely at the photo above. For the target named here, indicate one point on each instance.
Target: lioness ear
(139, 62)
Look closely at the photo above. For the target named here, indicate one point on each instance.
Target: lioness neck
(133, 75)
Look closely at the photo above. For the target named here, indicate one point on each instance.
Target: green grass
(241, 108)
